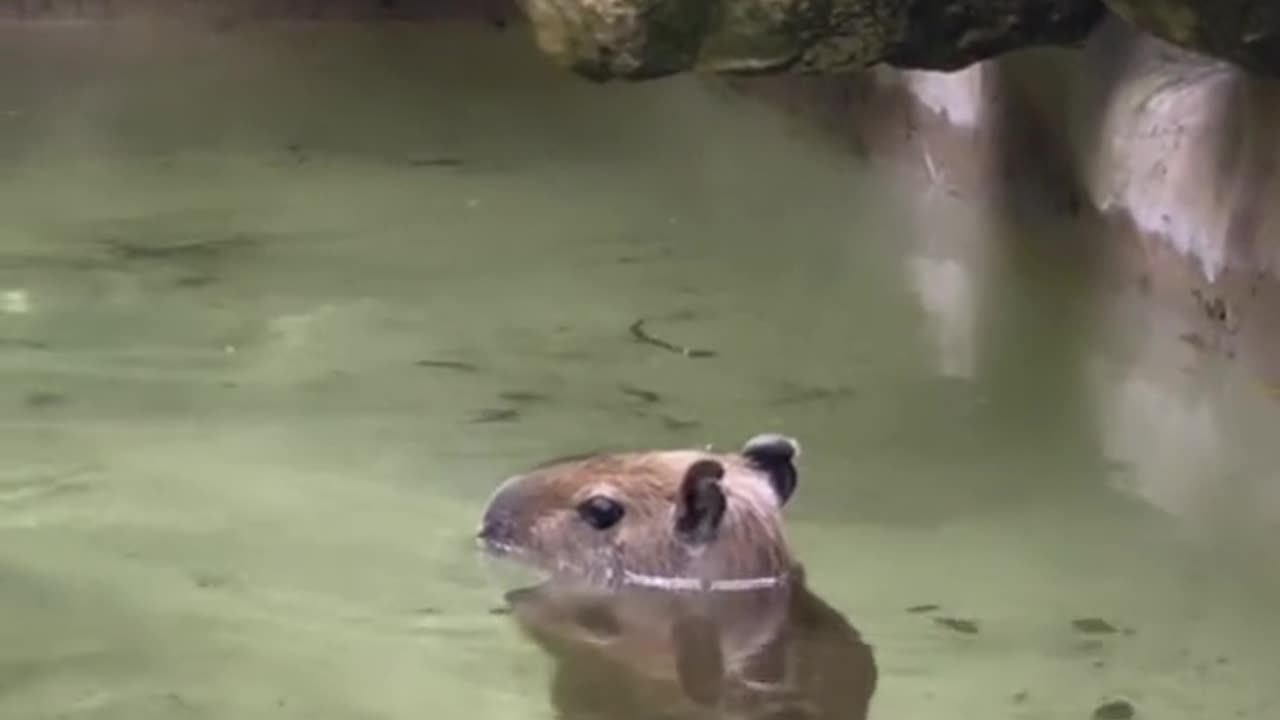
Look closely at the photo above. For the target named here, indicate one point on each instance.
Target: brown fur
(534, 516)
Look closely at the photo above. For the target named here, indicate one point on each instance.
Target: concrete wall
(1162, 161)
(1142, 179)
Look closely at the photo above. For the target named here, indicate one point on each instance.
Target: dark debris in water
(523, 396)
(500, 611)
(960, 625)
(41, 399)
(23, 343)
(457, 365)
(643, 336)
(641, 394)
(1094, 626)
(178, 701)
(210, 581)
(1115, 710)
(495, 415)
(677, 424)
(925, 608)
(439, 161)
(132, 250)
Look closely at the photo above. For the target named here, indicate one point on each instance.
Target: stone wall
(1162, 161)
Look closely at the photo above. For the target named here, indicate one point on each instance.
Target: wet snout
(500, 526)
(496, 529)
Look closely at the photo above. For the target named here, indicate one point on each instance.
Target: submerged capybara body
(675, 518)
(640, 653)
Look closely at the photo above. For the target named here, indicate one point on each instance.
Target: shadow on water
(776, 654)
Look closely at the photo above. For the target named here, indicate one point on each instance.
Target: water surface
(279, 308)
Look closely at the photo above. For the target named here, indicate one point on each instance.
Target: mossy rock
(1245, 32)
(644, 39)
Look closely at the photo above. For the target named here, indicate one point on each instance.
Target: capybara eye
(601, 512)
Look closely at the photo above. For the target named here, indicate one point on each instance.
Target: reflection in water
(947, 290)
(778, 653)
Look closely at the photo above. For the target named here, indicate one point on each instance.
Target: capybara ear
(775, 456)
(700, 504)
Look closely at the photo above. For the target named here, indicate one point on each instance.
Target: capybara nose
(496, 528)
(498, 524)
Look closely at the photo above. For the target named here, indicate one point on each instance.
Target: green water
(279, 309)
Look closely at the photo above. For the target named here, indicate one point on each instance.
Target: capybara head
(633, 517)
